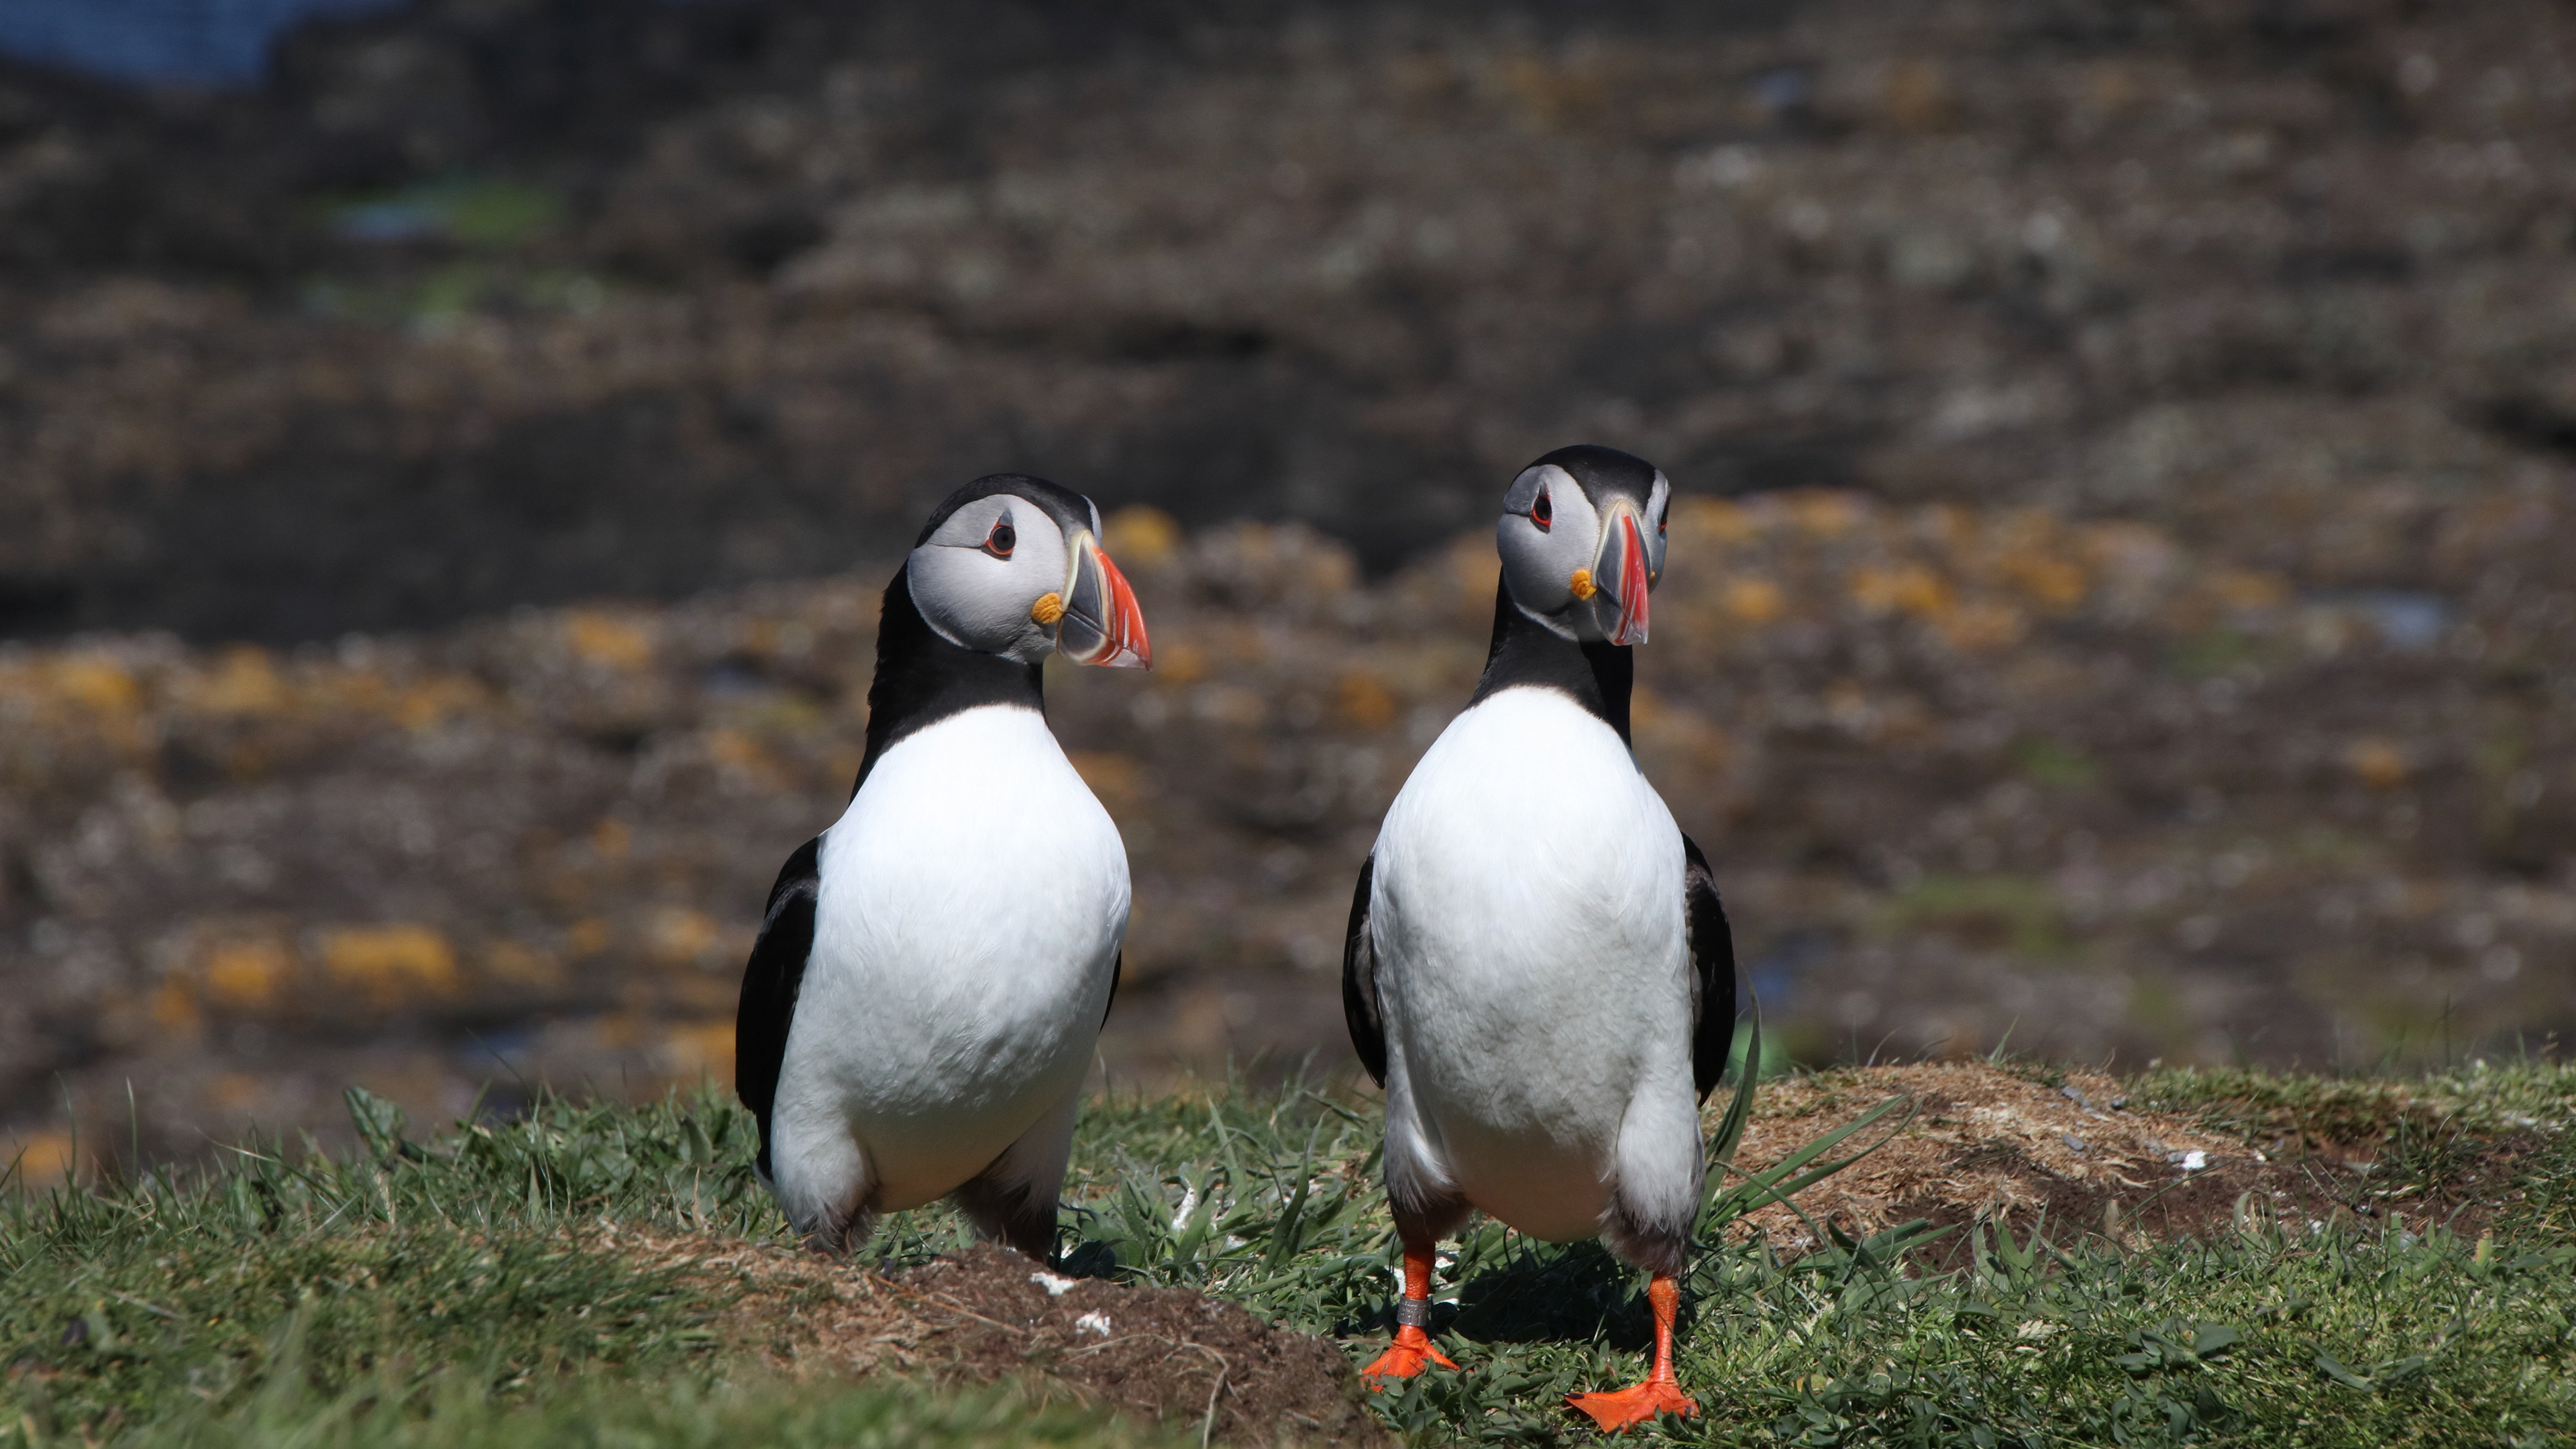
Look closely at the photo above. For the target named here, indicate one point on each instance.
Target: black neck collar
(1525, 652)
(922, 679)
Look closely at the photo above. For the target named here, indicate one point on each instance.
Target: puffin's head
(1582, 539)
(1012, 565)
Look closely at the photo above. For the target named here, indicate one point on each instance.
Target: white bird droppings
(1092, 1323)
(1054, 1285)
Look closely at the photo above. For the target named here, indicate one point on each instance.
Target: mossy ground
(590, 1274)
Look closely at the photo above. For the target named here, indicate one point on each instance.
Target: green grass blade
(1783, 1178)
(1739, 1108)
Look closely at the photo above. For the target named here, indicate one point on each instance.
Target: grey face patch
(1558, 517)
(1539, 560)
(974, 595)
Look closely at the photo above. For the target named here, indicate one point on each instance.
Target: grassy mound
(2388, 1266)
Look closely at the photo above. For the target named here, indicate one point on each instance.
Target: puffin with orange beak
(933, 970)
(1538, 969)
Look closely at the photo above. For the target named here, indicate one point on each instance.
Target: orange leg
(1661, 1393)
(1412, 1351)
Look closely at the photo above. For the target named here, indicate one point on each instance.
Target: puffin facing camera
(1582, 542)
(1542, 976)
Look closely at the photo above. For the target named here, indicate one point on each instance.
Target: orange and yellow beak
(1101, 624)
(1620, 572)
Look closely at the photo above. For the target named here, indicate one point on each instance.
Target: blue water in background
(196, 42)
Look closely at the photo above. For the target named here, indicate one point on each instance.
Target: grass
(597, 1414)
(479, 1286)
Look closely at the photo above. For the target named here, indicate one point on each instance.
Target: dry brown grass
(1983, 1141)
(990, 1315)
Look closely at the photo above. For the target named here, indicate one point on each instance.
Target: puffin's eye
(1541, 512)
(1002, 539)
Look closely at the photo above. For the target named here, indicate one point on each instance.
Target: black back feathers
(771, 984)
(1712, 948)
(1361, 1009)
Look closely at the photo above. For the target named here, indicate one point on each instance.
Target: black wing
(769, 987)
(1117, 973)
(1359, 982)
(1712, 948)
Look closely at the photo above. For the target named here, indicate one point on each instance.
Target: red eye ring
(1542, 512)
(1002, 539)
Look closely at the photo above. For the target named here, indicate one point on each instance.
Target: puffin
(1539, 970)
(933, 970)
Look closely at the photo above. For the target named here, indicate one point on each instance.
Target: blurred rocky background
(2125, 600)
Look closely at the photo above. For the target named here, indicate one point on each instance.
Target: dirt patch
(1986, 1142)
(991, 1314)
(1166, 1352)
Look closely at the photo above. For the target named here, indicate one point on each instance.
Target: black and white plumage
(1538, 969)
(932, 970)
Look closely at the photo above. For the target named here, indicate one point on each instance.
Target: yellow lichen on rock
(244, 682)
(246, 975)
(512, 963)
(736, 750)
(699, 1049)
(1179, 662)
(1754, 600)
(41, 1160)
(174, 1008)
(1980, 626)
(2050, 580)
(603, 638)
(1904, 588)
(96, 683)
(1362, 701)
(2376, 763)
(392, 963)
(1117, 779)
(1141, 537)
(1826, 514)
(418, 706)
(683, 937)
(1716, 520)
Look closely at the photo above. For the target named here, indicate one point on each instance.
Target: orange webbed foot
(1411, 1353)
(1624, 1408)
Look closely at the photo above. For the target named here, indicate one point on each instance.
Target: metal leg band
(1413, 1313)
